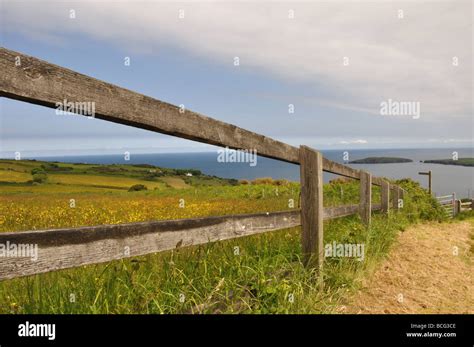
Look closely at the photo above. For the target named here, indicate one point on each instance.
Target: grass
(257, 274)
(102, 181)
(174, 182)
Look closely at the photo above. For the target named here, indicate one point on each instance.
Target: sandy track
(429, 270)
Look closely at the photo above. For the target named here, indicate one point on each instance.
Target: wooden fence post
(385, 196)
(457, 206)
(365, 199)
(430, 182)
(453, 203)
(311, 176)
(395, 198)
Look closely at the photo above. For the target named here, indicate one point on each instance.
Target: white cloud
(353, 142)
(407, 59)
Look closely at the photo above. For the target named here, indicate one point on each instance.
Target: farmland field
(256, 274)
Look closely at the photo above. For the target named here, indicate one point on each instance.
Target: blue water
(447, 179)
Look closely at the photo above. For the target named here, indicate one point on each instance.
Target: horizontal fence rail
(32, 80)
(72, 247)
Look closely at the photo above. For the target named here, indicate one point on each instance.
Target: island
(459, 161)
(381, 160)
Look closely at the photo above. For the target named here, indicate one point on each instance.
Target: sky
(335, 62)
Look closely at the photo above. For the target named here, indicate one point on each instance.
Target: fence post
(311, 176)
(457, 206)
(395, 198)
(365, 199)
(454, 204)
(385, 196)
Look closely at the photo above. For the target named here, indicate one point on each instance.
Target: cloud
(406, 59)
(353, 142)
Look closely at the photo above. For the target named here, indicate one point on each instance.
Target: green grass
(257, 274)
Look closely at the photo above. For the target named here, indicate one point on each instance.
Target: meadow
(256, 274)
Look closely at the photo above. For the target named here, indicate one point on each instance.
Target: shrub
(40, 178)
(39, 175)
(281, 182)
(152, 176)
(263, 180)
(54, 167)
(137, 187)
(38, 170)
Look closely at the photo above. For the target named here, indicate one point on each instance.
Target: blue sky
(190, 61)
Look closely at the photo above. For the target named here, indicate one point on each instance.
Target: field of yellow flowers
(260, 277)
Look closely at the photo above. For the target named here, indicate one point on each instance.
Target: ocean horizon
(447, 179)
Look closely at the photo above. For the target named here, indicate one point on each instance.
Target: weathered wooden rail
(35, 81)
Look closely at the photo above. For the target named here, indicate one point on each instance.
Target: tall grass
(257, 274)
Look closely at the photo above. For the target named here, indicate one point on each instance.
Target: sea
(447, 179)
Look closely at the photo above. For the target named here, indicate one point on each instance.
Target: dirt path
(429, 270)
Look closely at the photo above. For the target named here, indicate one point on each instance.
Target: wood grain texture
(385, 196)
(340, 169)
(365, 202)
(73, 247)
(311, 175)
(66, 248)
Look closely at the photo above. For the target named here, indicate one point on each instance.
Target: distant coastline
(381, 160)
(459, 162)
(447, 178)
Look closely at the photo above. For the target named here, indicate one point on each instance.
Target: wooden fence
(453, 206)
(35, 81)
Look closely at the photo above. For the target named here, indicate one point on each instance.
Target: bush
(263, 180)
(39, 175)
(54, 167)
(152, 176)
(137, 188)
(38, 170)
(40, 178)
(420, 204)
(244, 182)
(233, 182)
